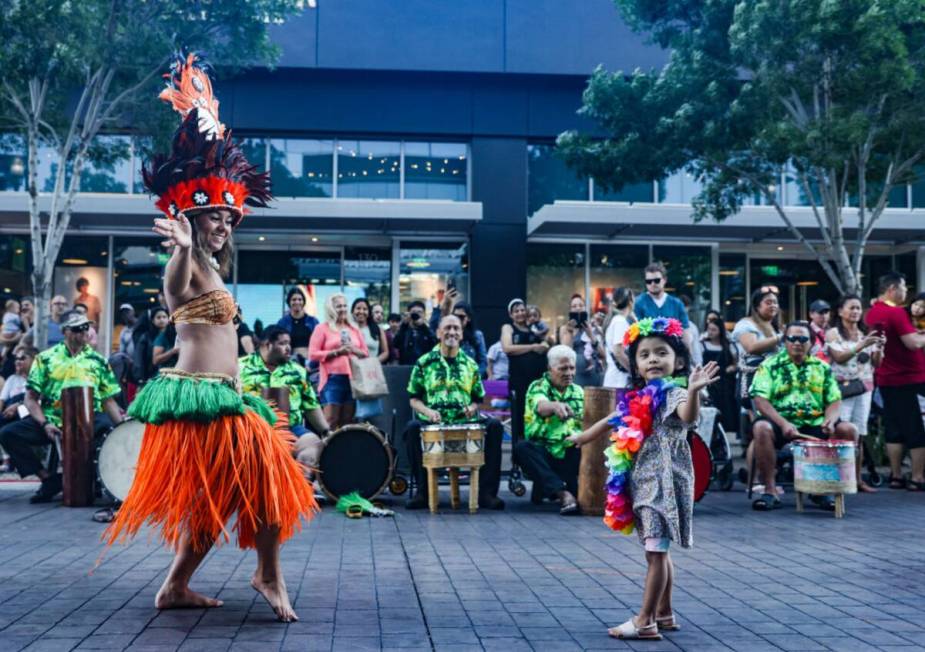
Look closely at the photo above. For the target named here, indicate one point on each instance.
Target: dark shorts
(336, 391)
(780, 441)
(902, 415)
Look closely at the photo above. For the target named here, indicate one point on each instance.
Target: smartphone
(344, 337)
(450, 284)
(580, 318)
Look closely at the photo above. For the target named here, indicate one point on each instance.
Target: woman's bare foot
(863, 487)
(183, 598)
(274, 592)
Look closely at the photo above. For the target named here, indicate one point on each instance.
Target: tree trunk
(42, 289)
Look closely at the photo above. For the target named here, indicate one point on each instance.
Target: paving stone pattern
(523, 579)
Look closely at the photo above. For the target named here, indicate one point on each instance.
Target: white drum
(118, 457)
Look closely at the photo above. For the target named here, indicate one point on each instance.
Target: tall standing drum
(77, 446)
(824, 467)
(592, 474)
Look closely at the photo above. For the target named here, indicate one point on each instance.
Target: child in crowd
(535, 321)
(651, 483)
(12, 324)
(916, 311)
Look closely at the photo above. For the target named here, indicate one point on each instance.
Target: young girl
(651, 484)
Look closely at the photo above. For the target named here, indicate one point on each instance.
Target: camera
(415, 316)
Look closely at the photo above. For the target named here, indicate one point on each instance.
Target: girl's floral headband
(648, 325)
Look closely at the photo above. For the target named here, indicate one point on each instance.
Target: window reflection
(427, 267)
(368, 168)
(367, 273)
(637, 192)
(689, 273)
(109, 165)
(299, 168)
(554, 273)
(548, 179)
(615, 266)
(680, 188)
(732, 288)
(138, 268)
(12, 163)
(435, 171)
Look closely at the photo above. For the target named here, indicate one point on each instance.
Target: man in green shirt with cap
(71, 363)
(554, 412)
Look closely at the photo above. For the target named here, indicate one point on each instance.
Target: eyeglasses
(794, 339)
(653, 281)
(769, 288)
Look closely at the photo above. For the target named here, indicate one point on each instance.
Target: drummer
(554, 412)
(795, 394)
(71, 363)
(271, 366)
(446, 388)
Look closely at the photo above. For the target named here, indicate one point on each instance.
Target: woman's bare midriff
(207, 348)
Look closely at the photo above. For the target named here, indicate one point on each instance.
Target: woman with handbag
(378, 346)
(854, 353)
(332, 345)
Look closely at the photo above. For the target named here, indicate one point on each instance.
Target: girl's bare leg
(657, 579)
(175, 592)
(663, 610)
(268, 578)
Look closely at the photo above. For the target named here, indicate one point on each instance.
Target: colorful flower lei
(632, 424)
(648, 325)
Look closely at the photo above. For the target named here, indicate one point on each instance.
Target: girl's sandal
(629, 631)
(667, 624)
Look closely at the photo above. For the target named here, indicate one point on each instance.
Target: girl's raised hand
(178, 232)
(700, 377)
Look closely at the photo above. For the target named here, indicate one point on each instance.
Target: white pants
(857, 410)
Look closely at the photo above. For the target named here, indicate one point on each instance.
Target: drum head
(703, 466)
(118, 458)
(355, 458)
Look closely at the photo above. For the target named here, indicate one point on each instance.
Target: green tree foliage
(832, 88)
(71, 70)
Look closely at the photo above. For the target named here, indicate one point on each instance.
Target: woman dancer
(208, 451)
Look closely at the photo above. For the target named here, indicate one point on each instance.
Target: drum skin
(703, 465)
(118, 457)
(357, 458)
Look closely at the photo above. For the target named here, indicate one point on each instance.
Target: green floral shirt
(799, 394)
(255, 376)
(447, 385)
(551, 431)
(56, 369)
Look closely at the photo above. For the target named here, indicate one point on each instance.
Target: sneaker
(51, 487)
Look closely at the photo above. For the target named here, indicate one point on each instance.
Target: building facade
(410, 145)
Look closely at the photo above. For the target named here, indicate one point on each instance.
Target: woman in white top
(617, 376)
(374, 336)
(757, 336)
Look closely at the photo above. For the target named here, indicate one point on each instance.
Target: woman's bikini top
(215, 307)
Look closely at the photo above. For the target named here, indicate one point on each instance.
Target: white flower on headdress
(228, 197)
(200, 198)
(173, 209)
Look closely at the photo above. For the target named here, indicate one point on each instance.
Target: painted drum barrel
(824, 467)
(448, 445)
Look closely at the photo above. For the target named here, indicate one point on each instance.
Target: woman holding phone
(587, 340)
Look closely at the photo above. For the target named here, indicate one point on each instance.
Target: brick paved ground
(517, 580)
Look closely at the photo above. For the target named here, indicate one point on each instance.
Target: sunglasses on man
(797, 339)
(654, 281)
(80, 329)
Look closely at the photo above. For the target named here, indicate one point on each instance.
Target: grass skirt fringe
(207, 453)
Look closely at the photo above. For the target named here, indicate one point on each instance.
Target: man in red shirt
(901, 379)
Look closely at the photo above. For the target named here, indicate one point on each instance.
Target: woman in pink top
(331, 345)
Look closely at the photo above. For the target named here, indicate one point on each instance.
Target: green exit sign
(162, 258)
(770, 270)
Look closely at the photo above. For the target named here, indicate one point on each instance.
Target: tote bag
(367, 380)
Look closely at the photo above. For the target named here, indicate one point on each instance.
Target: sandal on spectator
(897, 483)
(912, 485)
(765, 503)
(628, 630)
(667, 624)
(824, 502)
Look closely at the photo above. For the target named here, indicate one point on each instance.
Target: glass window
(732, 289)
(427, 267)
(548, 179)
(794, 191)
(109, 165)
(435, 171)
(12, 162)
(368, 168)
(680, 188)
(614, 266)
(299, 168)
(637, 192)
(15, 265)
(138, 268)
(368, 273)
(689, 274)
(554, 273)
(800, 282)
(918, 189)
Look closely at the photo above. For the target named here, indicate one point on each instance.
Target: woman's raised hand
(178, 232)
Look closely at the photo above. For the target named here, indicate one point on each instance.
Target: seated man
(445, 387)
(795, 394)
(554, 412)
(74, 362)
(270, 366)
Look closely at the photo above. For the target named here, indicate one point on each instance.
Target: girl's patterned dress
(662, 480)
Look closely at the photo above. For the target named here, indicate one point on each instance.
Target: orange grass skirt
(218, 458)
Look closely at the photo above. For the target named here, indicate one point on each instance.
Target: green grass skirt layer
(172, 398)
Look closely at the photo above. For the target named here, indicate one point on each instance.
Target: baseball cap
(74, 320)
(819, 306)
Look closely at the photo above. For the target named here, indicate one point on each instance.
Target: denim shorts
(336, 391)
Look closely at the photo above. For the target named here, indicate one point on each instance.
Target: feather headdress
(205, 168)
